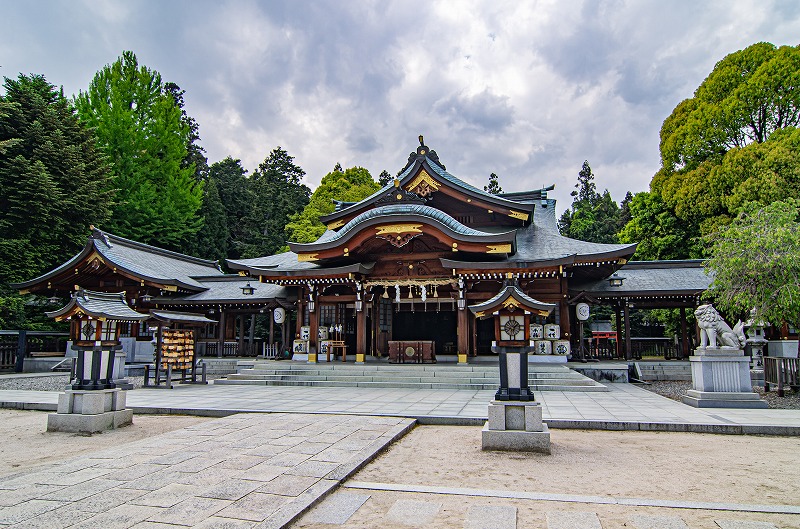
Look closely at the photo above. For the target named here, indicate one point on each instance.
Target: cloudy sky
(528, 90)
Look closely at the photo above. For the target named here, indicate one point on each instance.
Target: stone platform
(90, 411)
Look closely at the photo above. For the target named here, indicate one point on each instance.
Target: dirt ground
(669, 466)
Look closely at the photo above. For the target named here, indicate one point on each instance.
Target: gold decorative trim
(306, 257)
(622, 261)
(170, 288)
(336, 224)
(518, 215)
(242, 273)
(499, 248)
(423, 184)
(511, 304)
(398, 228)
(480, 314)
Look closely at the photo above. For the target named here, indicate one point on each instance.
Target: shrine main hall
(397, 271)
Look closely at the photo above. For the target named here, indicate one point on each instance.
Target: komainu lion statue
(712, 326)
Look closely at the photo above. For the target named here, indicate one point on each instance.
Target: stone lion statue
(712, 326)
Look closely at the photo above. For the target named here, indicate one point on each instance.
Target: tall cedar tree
(142, 131)
(592, 217)
(734, 142)
(54, 182)
(233, 186)
(384, 179)
(276, 194)
(494, 185)
(212, 239)
(351, 185)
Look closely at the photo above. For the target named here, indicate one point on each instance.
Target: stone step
(402, 385)
(409, 379)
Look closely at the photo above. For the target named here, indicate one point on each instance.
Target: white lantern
(279, 315)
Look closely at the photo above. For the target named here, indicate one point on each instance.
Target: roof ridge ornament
(100, 235)
(421, 153)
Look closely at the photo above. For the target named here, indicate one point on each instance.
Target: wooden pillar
(221, 332)
(240, 319)
(626, 316)
(272, 326)
(361, 335)
(564, 309)
(473, 349)
(618, 315)
(252, 332)
(463, 335)
(313, 335)
(684, 335)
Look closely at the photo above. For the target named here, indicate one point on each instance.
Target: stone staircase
(383, 375)
(654, 371)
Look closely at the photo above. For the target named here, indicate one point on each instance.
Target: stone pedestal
(721, 379)
(782, 348)
(515, 426)
(90, 411)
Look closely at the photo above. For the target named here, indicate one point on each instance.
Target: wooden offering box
(177, 349)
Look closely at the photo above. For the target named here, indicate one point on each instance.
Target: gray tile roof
(141, 260)
(229, 289)
(653, 278)
(180, 317)
(512, 291)
(111, 306)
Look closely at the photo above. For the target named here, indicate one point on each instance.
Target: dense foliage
(593, 217)
(146, 136)
(351, 185)
(733, 143)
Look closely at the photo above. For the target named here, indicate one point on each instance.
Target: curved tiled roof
(111, 306)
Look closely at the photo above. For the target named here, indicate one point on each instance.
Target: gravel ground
(675, 390)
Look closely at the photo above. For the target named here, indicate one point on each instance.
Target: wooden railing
(781, 372)
(8, 354)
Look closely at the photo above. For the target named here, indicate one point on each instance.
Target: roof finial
(421, 141)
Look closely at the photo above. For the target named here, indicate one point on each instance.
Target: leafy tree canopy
(351, 185)
(592, 217)
(756, 263)
(233, 187)
(733, 143)
(384, 179)
(493, 186)
(145, 136)
(276, 195)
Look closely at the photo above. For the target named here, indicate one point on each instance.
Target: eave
(511, 298)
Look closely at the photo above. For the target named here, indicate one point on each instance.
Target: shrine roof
(111, 306)
(138, 259)
(521, 300)
(288, 265)
(402, 213)
(540, 243)
(180, 317)
(652, 278)
(228, 289)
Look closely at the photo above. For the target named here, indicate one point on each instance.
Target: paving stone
(265, 472)
(256, 506)
(288, 440)
(232, 489)
(208, 477)
(110, 499)
(309, 447)
(73, 478)
(334, 455)
(153, 525)
(296, 506)
(217, 522)
(55, 519)
(197, 464)
(27, 509)
(317, 469)
(413, 513)
(174, 458)
(241, 462)
(644, 521)
(267, 450)
(136, 472)
(572, 520)
(288, 485)
(120, 517)
(743, 524)
(335, 509)
(154, 480)
(190, 511)
(166, 496)
(287, 459)
(491, 517)
(14, 496)
(81, 490)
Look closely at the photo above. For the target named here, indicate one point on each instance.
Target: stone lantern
(515, 419)
(93, 403)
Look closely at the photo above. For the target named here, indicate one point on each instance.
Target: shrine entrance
(439, 327)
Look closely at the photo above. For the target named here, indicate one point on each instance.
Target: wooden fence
(781, 372)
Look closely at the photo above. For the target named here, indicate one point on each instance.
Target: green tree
(592, 217)
(493, 186)
(384, 179)
(733, 143)
(277, 194)
(351, 185)
(755, 263)
(54, 182)
(213, 237)
(233, 186)
(144, 135)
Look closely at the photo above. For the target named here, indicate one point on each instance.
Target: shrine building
(398, 270)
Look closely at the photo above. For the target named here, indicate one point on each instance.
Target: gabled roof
(652, 279)
(228, 289)
(511, 298)
(188, 318)
(142, 261)
(541, 244)
(426, 160)
(98, 305)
